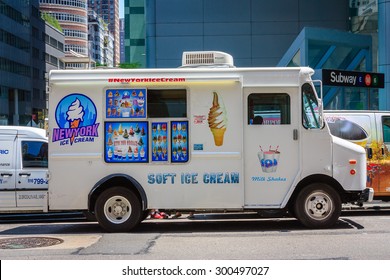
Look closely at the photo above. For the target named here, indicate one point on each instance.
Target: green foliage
(98, 64)
(51, 20)
(130, 65)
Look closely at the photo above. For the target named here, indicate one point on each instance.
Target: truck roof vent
(207, 59)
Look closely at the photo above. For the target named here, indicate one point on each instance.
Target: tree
(130, 65)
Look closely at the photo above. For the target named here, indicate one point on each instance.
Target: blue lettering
(151, 179)
(161, 178)
(235, 177)
(4, 152)
(189, 178)
(213, 178)
(221, 178)
(206, 178)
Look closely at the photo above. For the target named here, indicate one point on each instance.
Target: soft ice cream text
(194, 178)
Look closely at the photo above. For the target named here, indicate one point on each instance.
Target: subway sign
(352, 79)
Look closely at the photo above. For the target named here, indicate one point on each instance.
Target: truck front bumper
(367, 195)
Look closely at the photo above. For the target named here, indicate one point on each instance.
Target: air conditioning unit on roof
(207, 59)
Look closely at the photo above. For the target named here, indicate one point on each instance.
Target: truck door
(383, 126)
(31, 181)
(7, 171)
(271, 150)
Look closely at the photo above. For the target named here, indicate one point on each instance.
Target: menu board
(179, 140)
(125, 103)
(159, 141)
(126, 142)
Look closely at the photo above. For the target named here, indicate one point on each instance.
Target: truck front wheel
(318, 206)
(118, 210)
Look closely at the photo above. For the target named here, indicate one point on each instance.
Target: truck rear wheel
(118, 210)
(318, 206)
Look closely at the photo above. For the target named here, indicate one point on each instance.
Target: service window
(34, 154)
(167, 103)
(269, 109)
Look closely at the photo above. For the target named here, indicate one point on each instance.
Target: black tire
(317, 206)
(118, 209)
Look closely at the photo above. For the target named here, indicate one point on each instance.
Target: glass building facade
(22, 63)
(135, 35)
(322, 34)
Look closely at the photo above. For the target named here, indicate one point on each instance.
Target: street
(358, 235)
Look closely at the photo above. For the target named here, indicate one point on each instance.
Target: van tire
(118, 209)
(318, 205)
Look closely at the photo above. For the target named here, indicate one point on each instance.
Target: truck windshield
(311, 113)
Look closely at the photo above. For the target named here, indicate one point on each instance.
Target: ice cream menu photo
(179, 146)
(159, 141)
(126, 142)
(125, 103)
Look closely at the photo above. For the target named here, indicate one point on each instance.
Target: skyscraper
(122, 39)
(72, 16)
(135, 32)
(22, 63)
(109, 11)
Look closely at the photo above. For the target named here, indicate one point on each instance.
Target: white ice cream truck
(205, 136)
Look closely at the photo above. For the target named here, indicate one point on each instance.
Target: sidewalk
(374, 205)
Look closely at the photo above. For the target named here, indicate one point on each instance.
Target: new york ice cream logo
(269, 160)
(76, 119)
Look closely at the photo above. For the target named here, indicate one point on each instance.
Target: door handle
(295, 134)
(25, 174)
(369, 153)
(6, 174)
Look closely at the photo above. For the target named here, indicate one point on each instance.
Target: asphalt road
(360, 234)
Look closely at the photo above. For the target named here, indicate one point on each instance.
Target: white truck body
(23, 169)
(371, 130)
(122, 142)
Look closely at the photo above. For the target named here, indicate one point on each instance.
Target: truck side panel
(211, 177)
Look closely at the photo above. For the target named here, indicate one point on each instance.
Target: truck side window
(269, 109)
(311, 113)
(386, 129)
(167, 103)
(34, 154)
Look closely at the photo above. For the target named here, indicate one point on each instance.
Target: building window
(137, 42)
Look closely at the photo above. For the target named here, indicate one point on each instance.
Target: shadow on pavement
(213, 223)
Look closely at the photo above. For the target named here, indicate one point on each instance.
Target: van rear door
(7, 169)
(383, 128)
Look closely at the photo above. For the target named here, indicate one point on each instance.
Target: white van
(23, 169)
(214, 137)
(371, 130)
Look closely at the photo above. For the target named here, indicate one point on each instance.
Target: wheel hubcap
(318, 205)
(117, 209)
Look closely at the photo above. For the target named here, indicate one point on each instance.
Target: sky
(121, 8)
